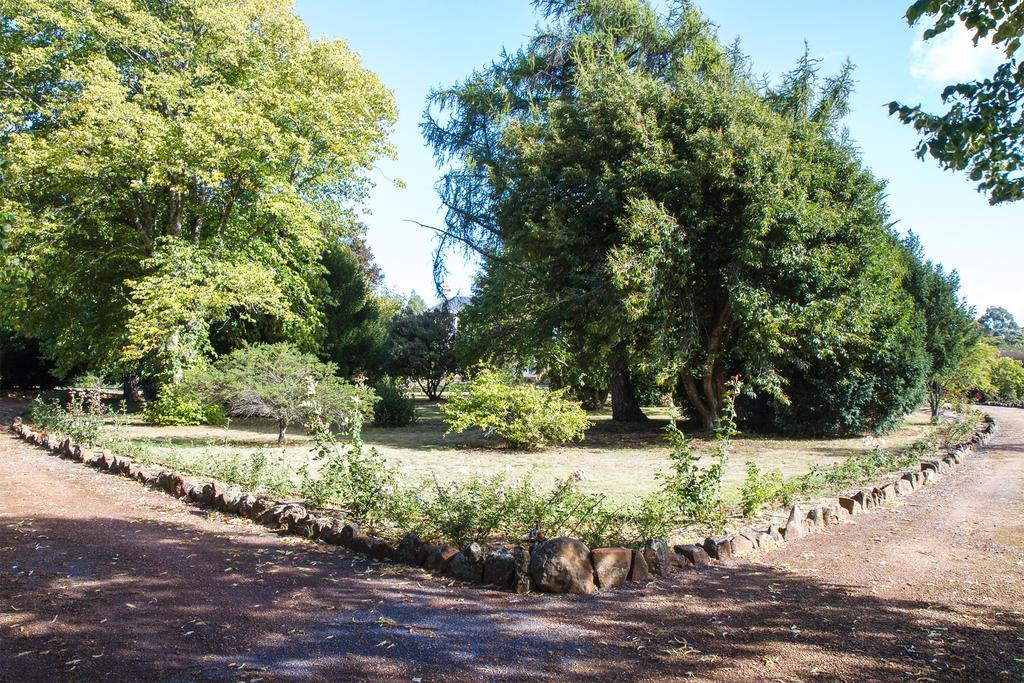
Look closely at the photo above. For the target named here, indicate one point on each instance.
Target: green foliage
(421, 347)
(762, 488)
(957, 431)
(359, 480)
(950, 330)
(651, 201)
(278, 382)
(171, 166)
(177, 405)
(396, 408)
(525, 415)
(695, 492)
(999, 324)
(477, 508)
(258, 471)
(690, 490)
(980, 132)
(79, 417)
(357, 316)
(1007, 379)
(984, 374)
(88, 380)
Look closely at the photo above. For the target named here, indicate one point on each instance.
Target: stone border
(560, 565)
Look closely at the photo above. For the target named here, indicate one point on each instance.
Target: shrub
(692, 491)
(525, 415)
(88, 380)
(178, 406)
(79, 417)
(279, 382)
(360, 480)
(395, 407)
(253, 472)
(762, 488)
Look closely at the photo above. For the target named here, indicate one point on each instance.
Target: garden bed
(423, 451)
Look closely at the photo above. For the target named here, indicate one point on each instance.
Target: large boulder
(562, 565)
(611, 566)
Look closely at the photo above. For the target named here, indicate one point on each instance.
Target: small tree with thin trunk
(278, 382)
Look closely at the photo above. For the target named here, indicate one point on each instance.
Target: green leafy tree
(414, 304)
(638, 197)
(357, 315)
(982, 130)
(999, 323)
(280, 383)
(973, 372)
(167, 166)
(950, 330)
(421, 347)
(1007, 379)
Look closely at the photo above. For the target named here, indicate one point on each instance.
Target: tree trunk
(705, 392)
(934, 400)
(625, 406)
(709, 407)
(282, 427)
(132, 389)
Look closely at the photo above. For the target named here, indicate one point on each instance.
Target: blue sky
(415, 46)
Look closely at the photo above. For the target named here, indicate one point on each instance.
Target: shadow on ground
(141, 600)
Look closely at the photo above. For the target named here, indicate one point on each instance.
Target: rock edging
(559, 565)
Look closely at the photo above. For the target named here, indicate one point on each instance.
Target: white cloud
(952, 57)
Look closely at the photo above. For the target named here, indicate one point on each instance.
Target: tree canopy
(950, 329)
(169, 165)
(357, 312)
(999, 323)
(421, 347)
(640, 199)
(983, 129)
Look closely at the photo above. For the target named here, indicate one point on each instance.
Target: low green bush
(256, 471)
(524, 415)
(396, 408)
(762, 488)
(178, 406)
(78, 416)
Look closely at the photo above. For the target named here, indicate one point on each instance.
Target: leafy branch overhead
(982, 129)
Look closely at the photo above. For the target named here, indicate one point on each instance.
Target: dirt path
(100, 577)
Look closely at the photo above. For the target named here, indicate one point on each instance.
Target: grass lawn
(618, 460)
